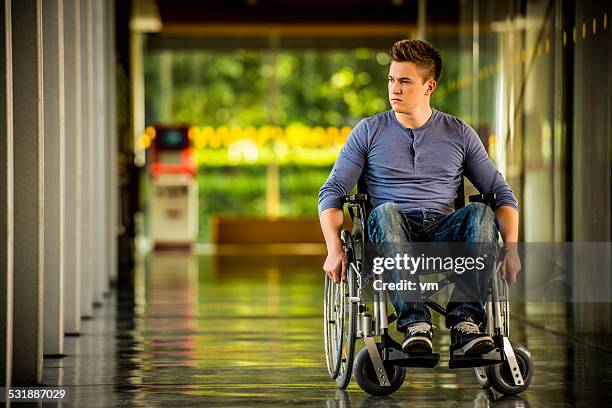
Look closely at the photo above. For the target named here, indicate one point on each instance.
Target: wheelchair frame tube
(384, 323)
(376, 314)
(495, 301)
(380, 303)
(490, 319)
(507, 305)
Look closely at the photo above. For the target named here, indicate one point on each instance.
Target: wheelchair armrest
(355, 198)
(357, 205)
(487, 198)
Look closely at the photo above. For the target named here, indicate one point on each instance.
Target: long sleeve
(481, 171)
(346, 170)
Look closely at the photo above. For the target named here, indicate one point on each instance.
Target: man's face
(407, 88)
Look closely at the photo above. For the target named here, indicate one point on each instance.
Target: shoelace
(467, 327)
(419, 327)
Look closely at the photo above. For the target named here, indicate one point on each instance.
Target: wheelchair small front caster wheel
(500, 376)
(481, 377)
(366, 376)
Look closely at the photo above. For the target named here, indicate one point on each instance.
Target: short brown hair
(420, 53)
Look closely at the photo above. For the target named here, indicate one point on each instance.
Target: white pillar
(137, 94)
(28, 191)
(53, 59)
(72, 171)
(100, 269)
(6, 197)
(111, 100)
(86, 261)
(421, 20)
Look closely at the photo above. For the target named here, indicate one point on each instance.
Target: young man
(414, 158)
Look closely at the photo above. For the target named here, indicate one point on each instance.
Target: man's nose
(396, 88)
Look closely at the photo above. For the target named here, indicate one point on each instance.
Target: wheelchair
(380, 367)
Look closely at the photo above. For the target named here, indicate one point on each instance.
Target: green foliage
(230, 190)
(251, 88)
(299, 188)
(242, 190)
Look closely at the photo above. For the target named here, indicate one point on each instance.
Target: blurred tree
(316, 88)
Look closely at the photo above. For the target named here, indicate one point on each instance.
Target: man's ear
(431, 87)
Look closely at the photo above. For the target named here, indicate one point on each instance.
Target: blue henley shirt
(415, 168)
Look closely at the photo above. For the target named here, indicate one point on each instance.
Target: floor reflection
(237, 330)
(483, 398)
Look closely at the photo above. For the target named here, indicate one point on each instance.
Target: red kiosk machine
(174, 188)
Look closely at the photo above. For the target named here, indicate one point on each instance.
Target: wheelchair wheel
(340, 327)
(481, 377)
(366, 376)
(500, 376)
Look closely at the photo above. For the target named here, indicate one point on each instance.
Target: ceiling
(197, 15)
(296, 24)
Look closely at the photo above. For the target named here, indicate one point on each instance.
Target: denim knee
(482, 223)
(386, 223)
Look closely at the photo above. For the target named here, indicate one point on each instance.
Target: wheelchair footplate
(393, 353)
(460, 360)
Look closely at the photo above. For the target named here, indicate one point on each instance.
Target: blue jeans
(474, 223)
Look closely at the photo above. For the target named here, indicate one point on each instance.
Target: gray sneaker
(467, 337)
(418, 338)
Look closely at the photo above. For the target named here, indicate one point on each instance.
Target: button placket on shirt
(415, 143)
(412, 151)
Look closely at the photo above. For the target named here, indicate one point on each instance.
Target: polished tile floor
(240, 331)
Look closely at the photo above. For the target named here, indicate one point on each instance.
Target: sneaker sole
(418, 344)
(478, 346)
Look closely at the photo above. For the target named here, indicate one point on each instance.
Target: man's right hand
(336, 265)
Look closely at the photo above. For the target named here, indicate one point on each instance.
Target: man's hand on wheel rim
(511, 265)
(336, 265)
